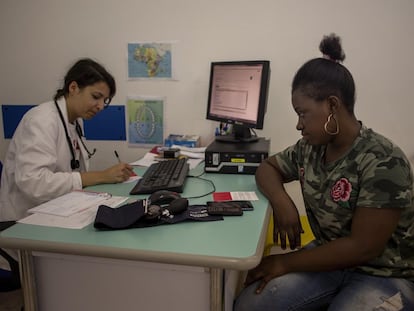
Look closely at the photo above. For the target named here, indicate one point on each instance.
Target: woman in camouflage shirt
(357, 187)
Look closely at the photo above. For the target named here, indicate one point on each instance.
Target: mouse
(162, 197)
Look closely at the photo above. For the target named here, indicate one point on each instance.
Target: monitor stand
(240, 134)
(233, 140)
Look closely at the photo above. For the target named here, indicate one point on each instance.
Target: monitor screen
(238, 97)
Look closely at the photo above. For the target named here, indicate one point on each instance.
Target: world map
(149, 60)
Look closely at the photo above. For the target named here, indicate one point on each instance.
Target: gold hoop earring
(331, 116)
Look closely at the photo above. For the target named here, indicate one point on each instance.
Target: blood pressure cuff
(132, 215)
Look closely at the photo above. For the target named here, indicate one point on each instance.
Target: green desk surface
(233, 243)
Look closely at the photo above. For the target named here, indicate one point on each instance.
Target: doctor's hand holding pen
(114, 174)
(119, 172)
(127, 169)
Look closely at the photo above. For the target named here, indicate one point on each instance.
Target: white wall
(40, 39)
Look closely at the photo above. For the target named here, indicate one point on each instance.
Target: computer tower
(236, 158)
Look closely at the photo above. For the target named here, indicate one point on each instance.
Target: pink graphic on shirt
(341, 191)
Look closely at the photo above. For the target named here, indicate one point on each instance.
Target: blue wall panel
(12, 115)
(109, 124)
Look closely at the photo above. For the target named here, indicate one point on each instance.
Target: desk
(188, 263)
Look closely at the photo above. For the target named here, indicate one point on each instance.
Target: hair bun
(331, 48)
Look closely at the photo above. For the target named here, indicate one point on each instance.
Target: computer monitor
(238, 97)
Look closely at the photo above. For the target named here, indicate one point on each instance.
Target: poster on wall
(145, 121)
(150, 60)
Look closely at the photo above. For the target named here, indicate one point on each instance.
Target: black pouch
(122, 217)
(132, 215)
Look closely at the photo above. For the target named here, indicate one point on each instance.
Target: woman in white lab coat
(47, 156)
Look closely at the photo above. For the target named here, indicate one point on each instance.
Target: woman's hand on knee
(270, 268)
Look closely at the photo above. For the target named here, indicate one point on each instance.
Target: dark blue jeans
(336, 291)
(340, 290)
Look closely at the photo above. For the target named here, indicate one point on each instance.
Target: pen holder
(170, 153)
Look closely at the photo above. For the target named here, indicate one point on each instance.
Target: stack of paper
(73, 210)
(192, 153)
(195, 156)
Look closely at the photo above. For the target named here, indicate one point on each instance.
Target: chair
(9, 280)
(306, 237)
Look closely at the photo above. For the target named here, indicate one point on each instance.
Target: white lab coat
(37, 164)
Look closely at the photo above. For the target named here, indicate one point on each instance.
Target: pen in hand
(117, 156)
(119, 160)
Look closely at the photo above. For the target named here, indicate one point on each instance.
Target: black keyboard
(164, 175)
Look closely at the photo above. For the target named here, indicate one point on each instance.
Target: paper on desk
(191, 152)
(190, 149)
(147, 160)
(194, 162)
(71, 203)
(192, 155)
(132, 179)
(235, 195)
(150, 158)
(75, 221)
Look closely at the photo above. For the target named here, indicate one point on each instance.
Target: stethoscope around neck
(74, 164)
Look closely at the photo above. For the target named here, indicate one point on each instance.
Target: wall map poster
(152, 60)
(145, 121)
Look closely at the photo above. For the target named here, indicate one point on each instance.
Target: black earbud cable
(80, 134)
(207, 180)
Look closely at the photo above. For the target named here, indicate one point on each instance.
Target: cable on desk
(205, 179)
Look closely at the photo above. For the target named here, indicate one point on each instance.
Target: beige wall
(40, 39)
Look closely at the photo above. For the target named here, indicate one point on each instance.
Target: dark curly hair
(87, 72)
(325, 76)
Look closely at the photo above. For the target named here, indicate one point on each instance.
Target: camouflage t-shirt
(374, 173)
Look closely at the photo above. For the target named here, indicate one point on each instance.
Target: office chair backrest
(9, 280)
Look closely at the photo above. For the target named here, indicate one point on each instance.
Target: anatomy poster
(145, 121)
